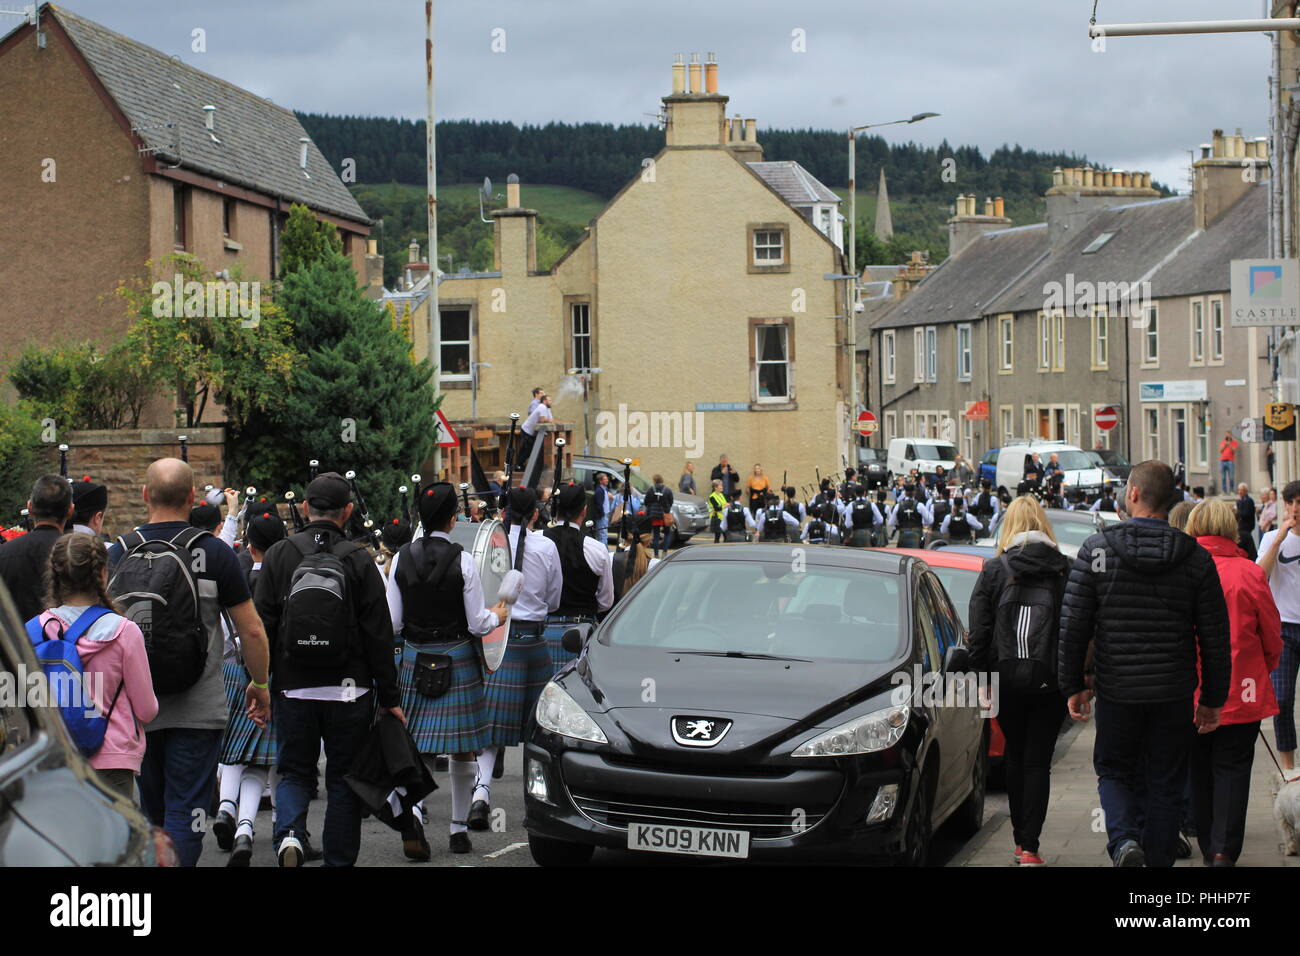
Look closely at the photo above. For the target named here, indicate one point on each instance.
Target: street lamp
(473, 387)
(852, 298)
(585, 374)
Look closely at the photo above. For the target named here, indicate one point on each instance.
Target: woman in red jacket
(1221, 760)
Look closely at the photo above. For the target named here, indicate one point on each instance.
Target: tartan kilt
(512, 691)
(456, 722)
(244, 741)
(553, 633)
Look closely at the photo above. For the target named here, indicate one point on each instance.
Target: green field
(564, 203)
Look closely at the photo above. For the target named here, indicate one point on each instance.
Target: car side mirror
(956, 660)
(575, 638)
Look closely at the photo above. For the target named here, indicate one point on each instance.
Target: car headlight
(862, 735)
(560, 714)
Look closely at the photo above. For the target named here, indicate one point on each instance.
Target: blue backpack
(61, 662)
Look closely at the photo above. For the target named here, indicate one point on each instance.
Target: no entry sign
(867, 423)
(1106, 418)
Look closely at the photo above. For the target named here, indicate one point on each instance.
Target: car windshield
(1072, 532)
(1071, 460)
(1113, 458)
(762, 607)
(959, 583)
(935, 452)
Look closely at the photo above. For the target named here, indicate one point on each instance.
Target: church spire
(884, 221)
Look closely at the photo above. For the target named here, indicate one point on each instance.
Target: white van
(923, 454)
(1080, 468)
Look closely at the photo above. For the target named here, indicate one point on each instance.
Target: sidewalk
(1069, 838)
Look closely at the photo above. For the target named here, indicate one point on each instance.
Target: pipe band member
(736, 520)
(822, 529)
(586, 569)
(909, 516)
(511, 692)
(775, 523)
(862, 518)
(960, 525)
(435, 598)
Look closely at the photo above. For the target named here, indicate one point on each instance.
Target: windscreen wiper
(747, 655)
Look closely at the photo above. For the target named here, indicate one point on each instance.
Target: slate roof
(796, 185)
(1204, 265)
(958, 289)
(258, 146)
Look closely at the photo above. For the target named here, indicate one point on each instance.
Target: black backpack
(774, 522)
(862, 515)
(318, 622)
(154, 581)
(1025, 631)
(816, 531)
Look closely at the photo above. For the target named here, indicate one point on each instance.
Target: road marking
(503, 851)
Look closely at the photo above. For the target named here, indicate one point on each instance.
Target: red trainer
(1029, 858)
(1016, 856)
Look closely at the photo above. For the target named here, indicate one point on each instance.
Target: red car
(957, 570)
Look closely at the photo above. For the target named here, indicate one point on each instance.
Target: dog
(1286, 811)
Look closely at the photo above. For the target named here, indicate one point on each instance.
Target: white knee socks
(231, 774)
(462, 791)
(251, 785)
(487, 762)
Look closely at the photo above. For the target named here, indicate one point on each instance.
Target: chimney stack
(695, 113)
(1078, 193)
(1228, 167)
(966, 225)
(374, 265)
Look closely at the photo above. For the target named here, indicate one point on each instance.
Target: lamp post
(585, 374)
(851, 302)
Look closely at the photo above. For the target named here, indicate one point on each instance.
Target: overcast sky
(999, 71)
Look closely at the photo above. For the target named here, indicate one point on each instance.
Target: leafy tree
(20, 457)
(241, 363)
(306, 239)
(80, 387)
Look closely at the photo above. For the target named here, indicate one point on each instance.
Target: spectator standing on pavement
(1221, 760)
(717, 502)
(1246, 521)
(658, 506)
(23, 560)
(1147, 599)
(1015, 616)
(323, 601)
(109, 645)
(724, 473)
(1227, 461)
(183, 743)
(961, 470)
(759, 486)
(686, 483)
(602, 503)
(1267, 511)
(1279, 557)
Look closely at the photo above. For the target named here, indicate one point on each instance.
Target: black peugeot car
(765, 702)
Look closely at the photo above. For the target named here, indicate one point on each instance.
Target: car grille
(763, 822)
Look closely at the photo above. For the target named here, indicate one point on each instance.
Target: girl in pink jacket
(112, 650)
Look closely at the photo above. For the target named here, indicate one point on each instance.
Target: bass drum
(486, 543)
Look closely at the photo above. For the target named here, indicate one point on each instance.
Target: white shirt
(543, 577)
(846, 514)
(229, 530)
(532, 406)
(539, 414)
(481, 621)
(749, 519)
(975, 523)
(790, 520)
(601, 563)
(1285, 579)
(927, 515)
(832, 532)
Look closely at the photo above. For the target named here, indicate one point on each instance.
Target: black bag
(1025, 632)
(318, 623)
(432, 674)
(154, 581)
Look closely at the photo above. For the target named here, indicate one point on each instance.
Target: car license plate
(696, 841)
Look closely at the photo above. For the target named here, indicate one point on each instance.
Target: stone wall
(118, 460)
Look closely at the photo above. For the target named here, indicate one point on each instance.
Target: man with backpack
(1148, 599)
(23, 560)
(326, 612)
(909, 516)
(174, 581)
(861, 518)
(775, 523)
(736, 520)
(959, 526)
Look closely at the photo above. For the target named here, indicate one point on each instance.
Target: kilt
(554, 631)
(244, 742)
(456, 722)
(512, 691)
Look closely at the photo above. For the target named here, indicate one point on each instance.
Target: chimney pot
(1261, 147)
(679, 73)
(372, 247)
(999, 207)
(1058, 177)
(209, 116)
(413, 251)
(1089, 176)
(303, 142)
(711, 73)
(695, 85)
(988, 206)
(751, 131)
(512, 191)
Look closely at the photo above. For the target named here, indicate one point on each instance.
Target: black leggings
(1030, 723)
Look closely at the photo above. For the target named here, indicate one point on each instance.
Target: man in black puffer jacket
(1148, 600)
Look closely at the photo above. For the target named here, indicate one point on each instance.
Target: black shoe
(242, 852)
(1130, 854)
(478, 815)
(499, 769)
(414, 843)
(459, 843)
(223, 828)
(1183, 848)
(310, 852)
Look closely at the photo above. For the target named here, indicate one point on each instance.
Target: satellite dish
(487, 189)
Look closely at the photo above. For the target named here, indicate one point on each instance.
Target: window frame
(1151, 436)
(931, 353)
(1151, 336)
(891, 427)
(918, 354)
(1196, 345)
(1100, 339)
(966, 352)
(573, 306)
(888, 357)
(1006, 344)
(753, 264)
(1044, 342)
(1007, 423)
(469, 306)
(182, 204)
(1058, 341)
(1217, 332)
(772, 402)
